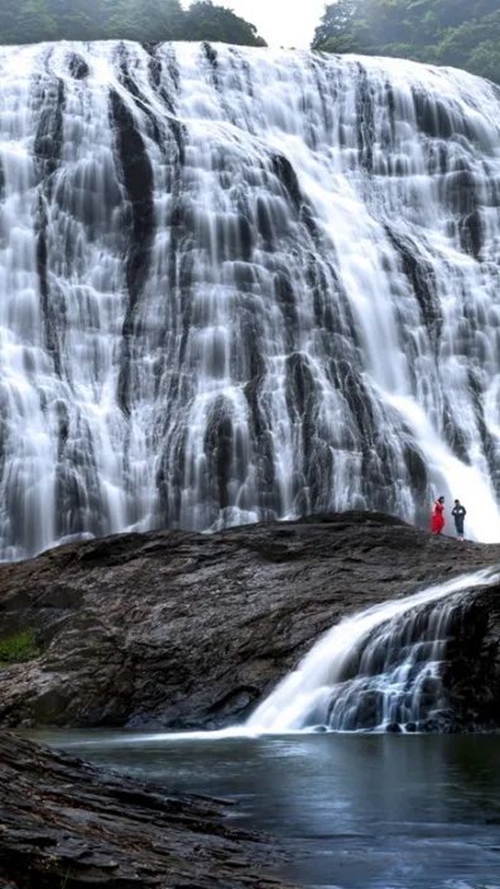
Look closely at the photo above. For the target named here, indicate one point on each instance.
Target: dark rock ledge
(182, 630)
(65, 824)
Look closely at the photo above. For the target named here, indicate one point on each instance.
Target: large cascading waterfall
(378, 670)
(239, 284)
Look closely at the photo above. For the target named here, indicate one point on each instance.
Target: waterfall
(377, 670)
(241, 284)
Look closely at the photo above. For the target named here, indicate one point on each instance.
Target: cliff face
(181, 630)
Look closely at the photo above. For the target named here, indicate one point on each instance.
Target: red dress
(437, 518)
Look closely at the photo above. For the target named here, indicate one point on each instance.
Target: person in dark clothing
(459, 512)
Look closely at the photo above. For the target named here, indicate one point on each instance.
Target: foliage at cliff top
(31, 21)
(463, 33)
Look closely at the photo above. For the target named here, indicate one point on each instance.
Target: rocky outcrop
(182, 630)
(63, 823)
(471, 676)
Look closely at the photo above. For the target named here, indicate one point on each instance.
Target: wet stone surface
(186, 630)
(66, 823)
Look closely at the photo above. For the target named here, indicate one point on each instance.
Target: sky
(281, 22)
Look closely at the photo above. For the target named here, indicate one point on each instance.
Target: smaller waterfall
(377, 670)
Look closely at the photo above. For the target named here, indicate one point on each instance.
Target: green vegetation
(463, 33)
(31, 21)
(18, 647)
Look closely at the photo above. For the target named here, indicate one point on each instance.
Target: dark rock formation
(63, 823)
(471, 677)
(185, 630)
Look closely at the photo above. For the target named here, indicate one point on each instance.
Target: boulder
(184, 630)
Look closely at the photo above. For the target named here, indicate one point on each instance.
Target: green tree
(485, 60)
(9, 14)
(205, 21)
(30, 21)
(34, 22)
(147, 20)
(72, 18)
(337, 23)
(465, 33)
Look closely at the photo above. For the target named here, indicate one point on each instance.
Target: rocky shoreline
(182, 630)
(64, 824)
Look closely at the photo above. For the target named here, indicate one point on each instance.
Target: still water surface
(355, 811)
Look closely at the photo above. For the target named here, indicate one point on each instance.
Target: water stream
(379, 669)
(372, 811)
(353, 806)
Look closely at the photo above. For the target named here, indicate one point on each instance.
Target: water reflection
(357, 812)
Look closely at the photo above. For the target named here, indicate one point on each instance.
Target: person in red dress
(437, 516)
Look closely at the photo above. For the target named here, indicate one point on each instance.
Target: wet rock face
(471, 677)
(179, 630)
(65, 823)
(78, 67)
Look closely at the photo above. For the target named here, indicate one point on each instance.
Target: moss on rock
(19, 647)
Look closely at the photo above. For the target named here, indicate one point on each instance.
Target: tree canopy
(30, 21)
(463, 33)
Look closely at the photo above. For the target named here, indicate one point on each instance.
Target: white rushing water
(378, 669)
(242, 284)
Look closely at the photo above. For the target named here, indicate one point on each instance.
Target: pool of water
(354, 811)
